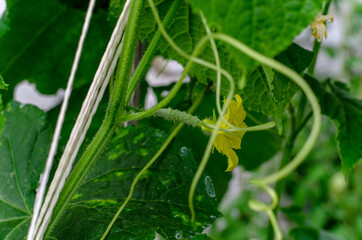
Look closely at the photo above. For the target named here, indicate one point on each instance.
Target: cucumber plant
(252, 95)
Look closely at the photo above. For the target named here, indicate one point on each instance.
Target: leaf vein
(16, 174)
(13, 230)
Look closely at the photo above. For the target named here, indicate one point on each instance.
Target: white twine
(89, 107)
(54, 144)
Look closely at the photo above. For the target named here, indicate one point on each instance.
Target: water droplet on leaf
(209, 187)
(183, 151)
(178, 235)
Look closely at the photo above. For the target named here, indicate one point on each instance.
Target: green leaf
(3, 85)
(42, 41)
(186, 30)
(266, 26)
(24, 144)
(251, 156)
(269, 98)
(271, 95)
(4, 23)
(346, 113)
(159, 202)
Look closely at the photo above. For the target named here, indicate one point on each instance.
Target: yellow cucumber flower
(319, 29)
(225, 142)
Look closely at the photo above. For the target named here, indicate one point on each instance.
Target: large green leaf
(186, 30)
(24, 144)
(159, 202)
(269, 92)
(266, 26)
(267, 96)
(346, 113)
(40, 45)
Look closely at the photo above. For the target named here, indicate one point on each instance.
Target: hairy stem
(170, 96)
(179, 116)
(116, 106)
(150, 52)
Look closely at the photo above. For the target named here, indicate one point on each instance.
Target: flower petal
(233, 161)
(225, 144)
(319, 29)
(235, 114)
(323, 18)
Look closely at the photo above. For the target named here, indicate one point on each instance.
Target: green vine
(263, 182)
(120, 87)
(185, 27)
(116, 107)
(150, 52)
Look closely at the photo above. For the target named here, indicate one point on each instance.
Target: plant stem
(151, 50)
(287, 155)
(179, 116)
(287, 152)
(173, 92)
(115, 107)
(317, 45)
(301, 108)
(126, 58)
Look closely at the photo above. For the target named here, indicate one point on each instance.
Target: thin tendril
(221, 116)
(305, 88)
(307, 147)
(271, 63)
(218, 73)
(260, 127)
(308, 92)
(148, 165)
(202, 62)
(203, 164)
(268, 209)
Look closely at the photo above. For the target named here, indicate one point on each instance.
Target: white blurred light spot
(26, 93)
(163, 72)
(164, 93)
(2, 7)
(221, 224)
(151, 99)
(235, 213)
